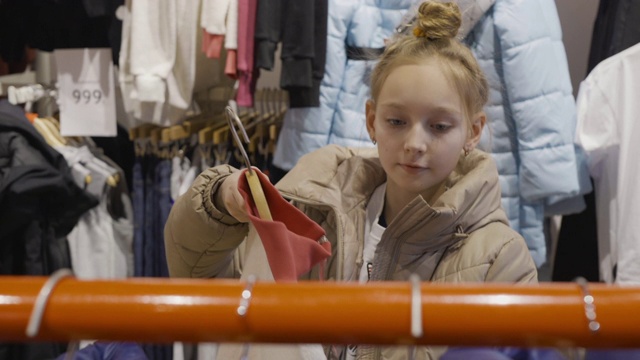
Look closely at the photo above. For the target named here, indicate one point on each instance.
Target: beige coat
(462, 237)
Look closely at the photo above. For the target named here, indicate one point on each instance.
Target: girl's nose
(417, 140)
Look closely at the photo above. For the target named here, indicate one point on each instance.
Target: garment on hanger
(39, 205)
(101, 244)
(532, 113)
(301, 26)
(274, 251)
(293, 243)
(577, 251)
(607, 130)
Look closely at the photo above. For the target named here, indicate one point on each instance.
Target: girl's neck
(395, 201)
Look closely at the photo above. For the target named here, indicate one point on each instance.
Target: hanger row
(262, 122)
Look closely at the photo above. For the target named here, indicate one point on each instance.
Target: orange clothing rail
(166, 310)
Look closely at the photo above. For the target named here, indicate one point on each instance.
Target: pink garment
(291, 239)
(246, 30)
(212, 44)
(230, 68)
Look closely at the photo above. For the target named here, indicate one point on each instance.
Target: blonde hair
(432, 36)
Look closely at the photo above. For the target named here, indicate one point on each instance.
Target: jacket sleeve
(200, 238)
(268, 32)
(538, 96)
(513, 264)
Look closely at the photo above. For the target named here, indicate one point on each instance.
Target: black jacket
(39, 201)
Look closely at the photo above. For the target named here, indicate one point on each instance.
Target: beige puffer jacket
(462, 237)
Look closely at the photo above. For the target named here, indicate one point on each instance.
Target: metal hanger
(35, 319)
(252, 178)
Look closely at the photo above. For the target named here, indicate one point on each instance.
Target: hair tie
(418, 32)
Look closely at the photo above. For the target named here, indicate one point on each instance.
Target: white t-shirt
(373, 231)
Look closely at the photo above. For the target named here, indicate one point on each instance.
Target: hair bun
(437, 20)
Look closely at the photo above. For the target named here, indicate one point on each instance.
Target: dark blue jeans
(138, 217)
(163, 193)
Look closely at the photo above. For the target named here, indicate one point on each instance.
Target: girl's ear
(370, 118)
(475, 132)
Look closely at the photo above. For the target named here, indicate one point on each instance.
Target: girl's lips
(412, 169)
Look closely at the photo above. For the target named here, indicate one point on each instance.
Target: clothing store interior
(122, 120)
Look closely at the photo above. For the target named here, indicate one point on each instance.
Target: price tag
(86, 92)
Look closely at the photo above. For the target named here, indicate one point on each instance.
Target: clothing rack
(166, 310)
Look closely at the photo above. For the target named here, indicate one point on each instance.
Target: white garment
(608, 130)
(158, 58)
(220, 17)
(100, 247)
(213, 16)
(179, 168)
(373, 230)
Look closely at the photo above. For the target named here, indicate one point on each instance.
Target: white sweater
(220, 17)
(158, 57)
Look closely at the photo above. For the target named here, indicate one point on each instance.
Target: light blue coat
(531, 111)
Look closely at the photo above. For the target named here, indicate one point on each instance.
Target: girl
(425, 202)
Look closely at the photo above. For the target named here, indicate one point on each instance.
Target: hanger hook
(231, 117)
(33, 327)
(416, 312)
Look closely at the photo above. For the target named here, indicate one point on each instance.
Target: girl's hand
(230, 197)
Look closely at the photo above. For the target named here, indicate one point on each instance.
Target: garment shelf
(198, 310)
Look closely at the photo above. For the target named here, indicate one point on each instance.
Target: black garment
(39, 205)
(309, 96)
(13, 28)
(36, 186)
(61, 24)
(64, 24)
(301, 25)
(267, 34)
(615, 29)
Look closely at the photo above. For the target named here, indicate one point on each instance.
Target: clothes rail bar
(165, 310)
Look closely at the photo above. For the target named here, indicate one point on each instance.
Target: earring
(466, 151)
(373, 140)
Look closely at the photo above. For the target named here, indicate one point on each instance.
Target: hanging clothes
(614, 30)
(607, 130)
(247, 74)
(577, 251)
(158, 59)
(39, 205)
(339, 118)
(531, 112)
(101, 244)
(40, 200)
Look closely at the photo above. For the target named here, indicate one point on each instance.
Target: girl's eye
(441, 127)
(395, 122)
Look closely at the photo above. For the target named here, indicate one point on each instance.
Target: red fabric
(212, 44)
(291, 239)
(230, 65)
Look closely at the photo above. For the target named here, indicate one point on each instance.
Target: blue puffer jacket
(344, 90)
(531, 111)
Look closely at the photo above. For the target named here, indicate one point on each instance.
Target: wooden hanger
(46, 133)
(55, 131)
